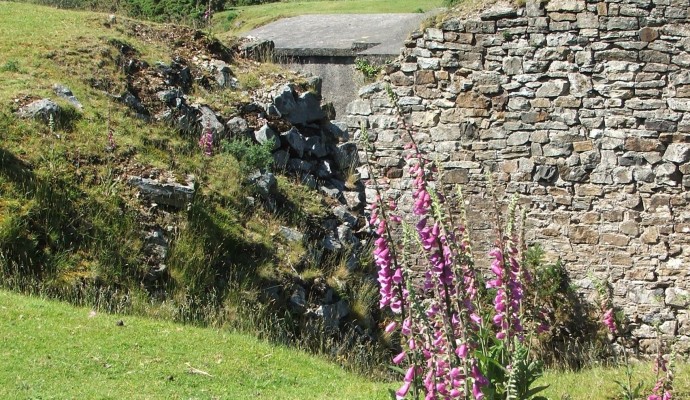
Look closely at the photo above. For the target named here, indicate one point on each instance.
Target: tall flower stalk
(430, 284)
(206, 141)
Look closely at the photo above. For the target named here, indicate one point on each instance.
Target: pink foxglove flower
(206, 142)
(609, 320)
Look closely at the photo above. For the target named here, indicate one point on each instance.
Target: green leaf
(396, 369)
(535, 390)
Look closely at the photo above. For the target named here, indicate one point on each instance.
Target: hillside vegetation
(74, 227)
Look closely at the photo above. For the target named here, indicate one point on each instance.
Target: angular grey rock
(353, 200)
(291, 235)
(221, 72)
(545, 173)
(337, 130)
(266, 184)
(41, 110)
(308, 110)
(135, 104)
(332, 314)
(368, 90)
(557, 149)
(66, 93)
(169, 96)
(553, 88)
(667, 174)
(295, 140)
(300, 110)
(580, 85)
(237, 127)
(346, 156)
(316, 147)
(565, 5)
(677, 153)
(298, 165)
(512, 65)
(209, 121)
(324, 169)
(677, 297)
(281, 159)
(171, 194)
(285, 101)
(266, 134)
(345, 215)
(498, 12)
(347, 237)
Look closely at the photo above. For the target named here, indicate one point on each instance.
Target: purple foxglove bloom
(398, 359)
(410, 374)
(391, 327)
(406, 327)
(609, 321)
(477, 391)
(402, 392)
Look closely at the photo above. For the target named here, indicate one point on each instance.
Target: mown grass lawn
(50, 350)
(242, 19)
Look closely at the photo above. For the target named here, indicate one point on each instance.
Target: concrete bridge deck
(343, 35)
(327, 46)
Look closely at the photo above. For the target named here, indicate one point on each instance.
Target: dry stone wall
(581, 108)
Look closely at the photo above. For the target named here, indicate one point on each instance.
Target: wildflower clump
(206, 142)
(429, 283)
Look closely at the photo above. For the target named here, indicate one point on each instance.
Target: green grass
(598, 383)
(50, 350)
(242, 19)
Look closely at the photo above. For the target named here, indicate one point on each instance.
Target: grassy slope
(45, 46)
(250, 17)
(51, 350)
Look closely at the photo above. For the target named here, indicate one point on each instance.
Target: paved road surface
(379, 34)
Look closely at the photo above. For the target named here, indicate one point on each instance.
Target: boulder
(208, 120)
(295, 140)
(266, 184)
(66, 93)
(333, 313)
(266, 134)
(41, 110)
(135, 104)
(299, 110)
(175, 195)
(237, 127)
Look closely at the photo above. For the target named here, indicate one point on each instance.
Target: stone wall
(579, 107)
